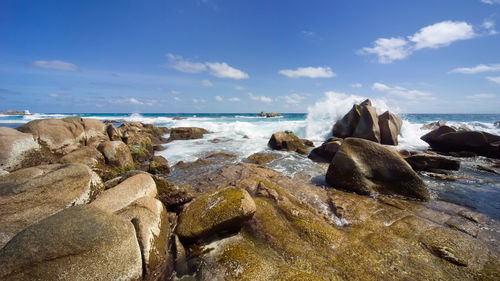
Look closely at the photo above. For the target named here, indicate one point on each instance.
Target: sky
(248, 55)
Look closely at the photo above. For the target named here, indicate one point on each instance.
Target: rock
(186, 133)
(390, 125)
(433, 125)
(149, 217)
(326, 151)
(140, 138)
(447, 139)
(345, 127)
(181, 266)
(79, 243)
(426, 162)
(15, 112)
(273, 114)
(287, 141)
(213, 213)
(95, 132)
(487, 169)
(159, 166)
(86, 155)
(497, 124)
(31, 194)
(158, 147)
(308, 143)
(262, 114)
(462, 154)
(369, 168)
(261, 158)
(367, 127)
(3, 172)
(113, 134)
(65, 135)
(117, 154)
(126, 192)
(15, 147)
(171, 195)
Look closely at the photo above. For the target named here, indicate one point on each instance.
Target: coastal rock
(262, 114)
(15, 146)
(433, 125)
(149, 217)
(186, 133)
(367, 127)
(273, 114)
(86, 155)
(113, 133)
(261, 158)
(369, 168)
(287, 141)
(64, 135)
(426, 162)
(308, 143)
(497, 124)
(3, 172)
(326, 151)
(390, 125)
(79, 243)
(122, 195)
(171, 195)
(158, 147)
(95, 132)
(31, 194)
(345, 127)
(140, 138)
(447, 139)
(159, 166)
(217, 212)
(117, 154)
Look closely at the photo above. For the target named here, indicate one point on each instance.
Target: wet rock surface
(326, 151)
(186, 133)
(287, 141)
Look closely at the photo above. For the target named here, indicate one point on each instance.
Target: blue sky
(246, 56)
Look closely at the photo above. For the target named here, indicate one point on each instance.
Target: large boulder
(345, 127)
(433, 125)
(113, 133)
(326, 151)
(273, 114)
(31, 194)
(287, 141)
(369, 168)
(447, 139)
(186, 133)
(79, 243)
(390, 125)
(117, 154)
(159, 166)
(367, 127)
(86, 155)
(67, 134)
(221, 211)
(15, 146)
(428, 162)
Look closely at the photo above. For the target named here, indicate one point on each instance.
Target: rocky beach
(84, 199)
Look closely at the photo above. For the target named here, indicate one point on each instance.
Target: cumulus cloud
(195, 100)
(442, 34)
(218, 98)
(184, 65)
(491, 2)
(217, 69)
(400, 91)
(55, 64)
(260, 98)
(207, 83)
(433, 36)
(477, 69)
(233, 99)
(135, 101)
(177, 99)
(293, 98)
(482, 96)
(494, 79)
(239, 88)
(356, 85)
(223, 70)
(309, 72)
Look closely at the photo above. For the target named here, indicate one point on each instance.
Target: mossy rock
(261, 158)
(159, 166)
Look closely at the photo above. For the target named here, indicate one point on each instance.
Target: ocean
(243, 134)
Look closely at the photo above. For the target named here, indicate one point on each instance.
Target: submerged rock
(273, 114)
(186, 133)
(212, 213)
(15, 147)
(447, 139)
(369, 168)
(427, 162)
(79, 243)
(287, 141)
(261, 158)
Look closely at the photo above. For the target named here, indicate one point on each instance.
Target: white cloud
(356, 85)
(491, 2)
(177, 99)
(184, 65)
(207, 83)
(55, 64)
(442, 34)
(233, 99)
(135, 101)
(54, 95)
(223, 70)
(400, 91)
(293, 98)
(174, 92)
(489, 26)
(482, 96)
(218, 98)
(239, 88)
(310, 72)
(494, 79)
(388, 49)
(260, 98)
(477, 69)
(199, 100)
(434, 36)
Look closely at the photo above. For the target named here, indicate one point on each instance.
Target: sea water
(243, 134)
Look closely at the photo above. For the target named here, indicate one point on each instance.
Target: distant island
(15, 112)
